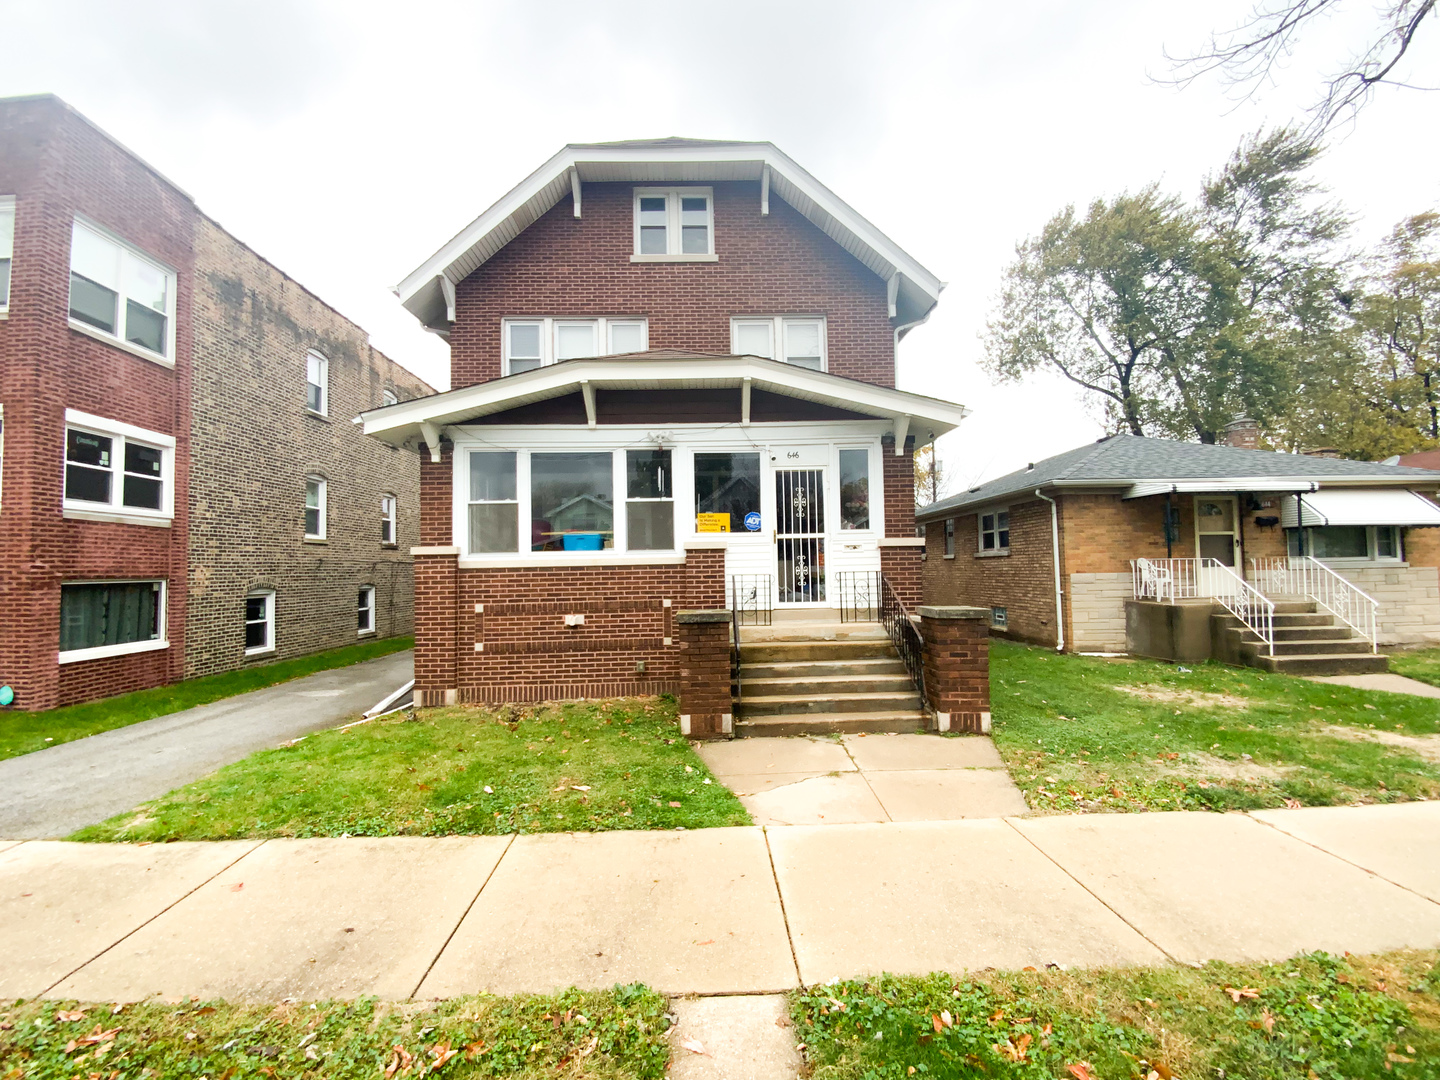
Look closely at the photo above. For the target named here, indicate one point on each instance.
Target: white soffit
(423, 294)
(1360, 506)
(1142, 488)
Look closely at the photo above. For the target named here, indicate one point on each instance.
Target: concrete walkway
(54, 792)
(1387, 681)
(810, 780)
(717, 911)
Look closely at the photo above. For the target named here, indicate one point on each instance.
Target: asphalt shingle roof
(1127, 458)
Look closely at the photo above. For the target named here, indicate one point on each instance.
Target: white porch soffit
(920, 416)
(1360, 506)
(1141, 488)
(428, 291)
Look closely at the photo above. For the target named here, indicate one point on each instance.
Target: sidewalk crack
(463, 915)
(1347, 862)
(784, 915)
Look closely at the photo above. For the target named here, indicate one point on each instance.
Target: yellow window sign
(712, 522)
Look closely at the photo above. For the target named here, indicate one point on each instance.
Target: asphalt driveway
(53, 792)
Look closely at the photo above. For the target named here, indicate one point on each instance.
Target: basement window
(674, 225)
(998, 619)
(365, 610)
(260, 622)
(111, 618)
(118, 292)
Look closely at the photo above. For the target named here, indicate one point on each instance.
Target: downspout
(1055, 550)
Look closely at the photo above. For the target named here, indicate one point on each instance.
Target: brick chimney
(1243, 433)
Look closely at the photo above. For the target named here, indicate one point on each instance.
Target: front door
(1215, 529)
(800, 535)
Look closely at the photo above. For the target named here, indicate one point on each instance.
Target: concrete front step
(1294, 620)
(782, 724)
(1336, 632)
(756, 705)
(813, 631)
(1325, 664)
(1322, 647)
(790, 651)
(805, 669)
(827, 685)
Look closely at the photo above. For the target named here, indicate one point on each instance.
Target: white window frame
(388, 397)
(324, 500)
(162, 624)
(981, 532)
(367, 594)
(388, 517)
(7, 249)
(672, 196)
(549, 325)
(323, 365)
(778, 325)
(949, 538)
(115, 510)
(126, 250)
(268, 595)
(1372, 548)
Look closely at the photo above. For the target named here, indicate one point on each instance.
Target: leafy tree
(932, 479)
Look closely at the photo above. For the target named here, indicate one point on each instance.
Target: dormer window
(674, 225)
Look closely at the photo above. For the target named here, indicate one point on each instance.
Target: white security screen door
(800, 535)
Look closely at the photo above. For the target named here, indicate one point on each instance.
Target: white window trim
(391, 517)
(116, 510)
(1372, 545)
(269, 646)
(369, 592)
(948, 538)
(168, 360)
(324, 383)
(672, 195)
(980, 532)
(388, 397)
(549, 331)
(777, 335)
(75, 656)
(324, 500)
(7, 209)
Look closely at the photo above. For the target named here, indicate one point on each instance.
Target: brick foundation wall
(775, 265)
(705, 704)
(957, 667)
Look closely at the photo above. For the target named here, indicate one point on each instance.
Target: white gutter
(1055, 548)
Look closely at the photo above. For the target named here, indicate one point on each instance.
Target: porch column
(957, 666)
(705, 673)
(437, 571)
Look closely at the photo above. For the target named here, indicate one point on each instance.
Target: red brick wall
(57, 166)
(705, 678)
(776, 265)
(957, 671)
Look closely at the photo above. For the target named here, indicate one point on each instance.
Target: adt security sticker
(752, 521)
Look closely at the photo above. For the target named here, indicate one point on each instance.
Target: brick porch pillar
(957, 666)
(705, 707)
(437, 572)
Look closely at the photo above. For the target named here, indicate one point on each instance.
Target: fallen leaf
(935, 1023)
(579, 787)
(474, 1049)
(695, 1046)
(440, 1055)
(1267, 1020)
(710, 942)
(1080, 1070)
(237, 886)
(946, 1018)
(1162, 1070)
(204, 1010)
(64, 1017)
(1293, 804)
(593, 1043)
(674, 804)
(489, 790)
(1236, 993)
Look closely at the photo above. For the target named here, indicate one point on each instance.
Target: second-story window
(7, 248)
(315, 507)
(795, 339)
(317, 384)
(674, 223)
(120, 292)
(387, 519)
(116, 468)
(532, 343)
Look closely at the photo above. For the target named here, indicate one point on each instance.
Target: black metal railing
(735, 688)
(857, 594)
(904, 637)
(751, 599)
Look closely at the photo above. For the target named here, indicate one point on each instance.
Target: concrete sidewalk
(744, 910)
(56, 791)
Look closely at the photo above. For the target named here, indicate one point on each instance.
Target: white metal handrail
(1168, 580)
(1307, 576)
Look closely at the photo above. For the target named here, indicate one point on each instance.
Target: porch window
(801, 339)
(572, 500)
(649, 501)
(1371, 543)
(674, 223)
(494, 511)
(110, 617)
(855, 489)
(995, 531)
(728, 484)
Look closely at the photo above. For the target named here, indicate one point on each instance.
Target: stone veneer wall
(1097, 612)
(1409, 599)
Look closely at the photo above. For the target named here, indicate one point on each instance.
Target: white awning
(1359, 506)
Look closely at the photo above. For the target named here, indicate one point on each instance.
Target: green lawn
(586, 766)
(1088, 734)
(1422, 664)
(25, 732)
(594, 1035)
(1315, 1017)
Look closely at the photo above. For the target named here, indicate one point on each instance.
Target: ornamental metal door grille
(800, 535)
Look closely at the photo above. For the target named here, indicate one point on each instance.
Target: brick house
(170, 403)
(1060, 551)
(673, 365)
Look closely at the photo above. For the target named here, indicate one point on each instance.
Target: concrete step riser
(751, 707)
(1361, 664)
(802, 632)
(1284, 621)
(781, 726)
(822, 668)
(884, 684)
(1314, 648)
(1337, 632)
(780, 653)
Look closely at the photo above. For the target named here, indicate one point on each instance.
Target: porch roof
(409, 423)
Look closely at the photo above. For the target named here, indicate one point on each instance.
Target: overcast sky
(347, 141)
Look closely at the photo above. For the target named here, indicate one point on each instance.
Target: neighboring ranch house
(673, 371)
(1152, 520)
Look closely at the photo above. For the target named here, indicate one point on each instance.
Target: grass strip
(1086, 734)
(26, 732)
(1421, 664)
(577, 766)
(1316, 1017)
(590, 1035)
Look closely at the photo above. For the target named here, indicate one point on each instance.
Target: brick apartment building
(181, 489)
(673, 365)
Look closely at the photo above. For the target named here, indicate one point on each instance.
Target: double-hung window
(649, 501)
(995, 531)
(260, 622)
(387, 519)
(493, 511)
(365, 609)
(317, 384)
(674, 224)
(315, 497)
(533, 343)
(7, 248)
(110, 618)
(949, 538)
(117, 469)
(121, 293)
(795, 339)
